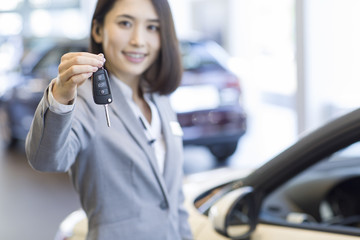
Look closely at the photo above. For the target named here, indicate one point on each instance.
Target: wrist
(62, 96)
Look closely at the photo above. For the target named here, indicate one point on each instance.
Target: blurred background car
(308, 191)
(19, 100)
(208, 102)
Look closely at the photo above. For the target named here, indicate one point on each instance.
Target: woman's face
(130, 38)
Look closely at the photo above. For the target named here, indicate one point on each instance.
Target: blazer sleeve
(54, 140)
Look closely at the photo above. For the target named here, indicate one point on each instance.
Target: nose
(138, 37)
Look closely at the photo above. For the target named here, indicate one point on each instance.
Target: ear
(97, 32)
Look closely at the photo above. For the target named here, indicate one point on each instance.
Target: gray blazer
(114, 169)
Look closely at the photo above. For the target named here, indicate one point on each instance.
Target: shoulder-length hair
(164, 75)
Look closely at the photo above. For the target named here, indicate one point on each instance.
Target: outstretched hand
(74, 69)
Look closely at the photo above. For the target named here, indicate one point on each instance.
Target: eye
(153, 28)
(125, 24)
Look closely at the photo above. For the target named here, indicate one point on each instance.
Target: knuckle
(77, 59)
(72, 69)
(63, 57)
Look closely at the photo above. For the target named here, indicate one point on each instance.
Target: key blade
(107, 115)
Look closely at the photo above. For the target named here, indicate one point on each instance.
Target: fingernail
(100, 64)
(102, 56)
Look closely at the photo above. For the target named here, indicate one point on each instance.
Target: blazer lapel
(122, 110)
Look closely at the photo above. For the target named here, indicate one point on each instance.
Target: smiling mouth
(135, 55)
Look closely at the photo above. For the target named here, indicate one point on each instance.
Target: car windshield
(351, 152)
(325, 195)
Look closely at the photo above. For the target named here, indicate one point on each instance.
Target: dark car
(309, 191)
(207, 102)
(19, 101)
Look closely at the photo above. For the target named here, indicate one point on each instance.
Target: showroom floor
(32, 204)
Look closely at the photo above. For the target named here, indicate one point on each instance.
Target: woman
(129, 175)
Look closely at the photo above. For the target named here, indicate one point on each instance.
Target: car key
(101, 91)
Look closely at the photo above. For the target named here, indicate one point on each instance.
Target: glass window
(14, 28)
(41, 23)
(39, 3)
(54, 3)
(67, 23)
(7, 5)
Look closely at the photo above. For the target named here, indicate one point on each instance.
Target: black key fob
(101, 91)
(101, 87)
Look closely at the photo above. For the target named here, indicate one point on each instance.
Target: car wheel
(223, 150)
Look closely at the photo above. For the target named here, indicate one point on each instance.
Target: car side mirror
(234, 214)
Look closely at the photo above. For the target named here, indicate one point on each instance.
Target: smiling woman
(117, 167)
(128, 22)
(157, 27)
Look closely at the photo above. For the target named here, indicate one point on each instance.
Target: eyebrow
(133, 18)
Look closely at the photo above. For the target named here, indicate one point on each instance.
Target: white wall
(328, 64)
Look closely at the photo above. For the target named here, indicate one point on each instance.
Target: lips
(135, 57)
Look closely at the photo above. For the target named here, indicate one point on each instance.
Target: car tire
(223, 151)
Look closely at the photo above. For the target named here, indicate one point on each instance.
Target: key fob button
(101, 77)
(103, 92)
(102, 84)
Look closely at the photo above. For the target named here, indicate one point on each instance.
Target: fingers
(80, 58)
(77, 73)
(78, 66)
(72, 55)
(74, 69)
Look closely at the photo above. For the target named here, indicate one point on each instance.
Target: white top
(152, 130)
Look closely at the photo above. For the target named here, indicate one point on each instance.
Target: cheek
(157, 42)
(155, 55)
(112, 39)
(108, 41)
(156, 45)
(111, 46)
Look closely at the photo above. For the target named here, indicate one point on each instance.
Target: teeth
(135, 55)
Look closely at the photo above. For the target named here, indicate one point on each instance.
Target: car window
(197, 56)
(47, 67)
(325, 196)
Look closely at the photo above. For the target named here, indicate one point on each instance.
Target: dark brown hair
(164, 75)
